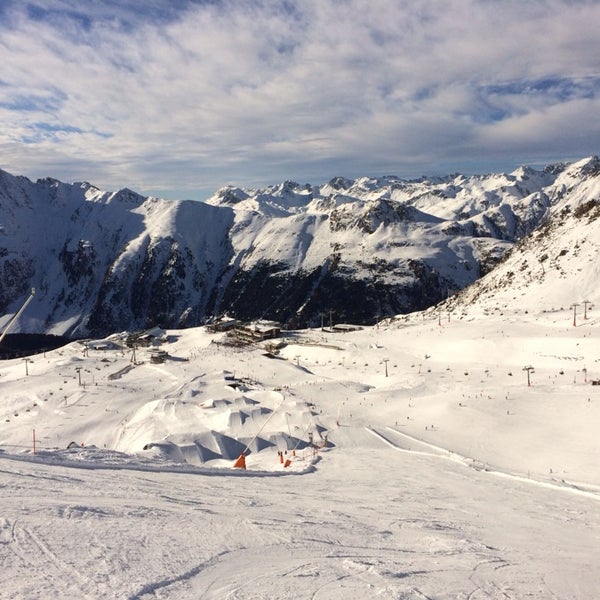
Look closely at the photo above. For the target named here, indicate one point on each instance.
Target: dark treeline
(15, 345)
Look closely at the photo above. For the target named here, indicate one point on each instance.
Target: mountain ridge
(361, 249)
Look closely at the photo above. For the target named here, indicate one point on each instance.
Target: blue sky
(177, 98)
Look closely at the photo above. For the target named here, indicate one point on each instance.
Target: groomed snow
(449, 477)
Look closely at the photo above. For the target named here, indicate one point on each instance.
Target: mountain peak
(126, 196)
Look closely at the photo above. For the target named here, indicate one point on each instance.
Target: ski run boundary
(423, 448)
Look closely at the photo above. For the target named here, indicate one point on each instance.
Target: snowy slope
(102, 262)
(436, 470)
(557, 266)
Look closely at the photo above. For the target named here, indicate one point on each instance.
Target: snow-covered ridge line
(360, 250)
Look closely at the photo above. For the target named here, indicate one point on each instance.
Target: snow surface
(447, 477)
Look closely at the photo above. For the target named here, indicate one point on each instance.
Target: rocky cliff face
(360, 250)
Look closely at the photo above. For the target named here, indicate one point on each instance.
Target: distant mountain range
(352, 251)
(557, 266)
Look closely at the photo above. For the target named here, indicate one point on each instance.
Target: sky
(178, 98)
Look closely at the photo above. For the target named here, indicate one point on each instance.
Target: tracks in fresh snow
(34, 553)
(319, 570)
(336, 534)
(405, 443)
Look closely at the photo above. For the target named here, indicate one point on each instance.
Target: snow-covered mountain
(557, 265)
(102, 262)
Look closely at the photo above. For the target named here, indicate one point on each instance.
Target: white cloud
(262, 91)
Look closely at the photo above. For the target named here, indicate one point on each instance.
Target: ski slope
(436, 471)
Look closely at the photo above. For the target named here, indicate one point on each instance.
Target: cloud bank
(177, 99)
